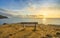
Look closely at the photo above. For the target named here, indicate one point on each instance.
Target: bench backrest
(29, 23)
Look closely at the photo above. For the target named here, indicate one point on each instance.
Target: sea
(55, 21)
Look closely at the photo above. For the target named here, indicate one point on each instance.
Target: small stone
(10, 34)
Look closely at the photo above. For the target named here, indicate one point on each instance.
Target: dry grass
(17, 31)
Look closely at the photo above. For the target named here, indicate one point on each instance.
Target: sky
(49, 8)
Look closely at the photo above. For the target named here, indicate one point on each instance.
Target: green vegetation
(2, 17)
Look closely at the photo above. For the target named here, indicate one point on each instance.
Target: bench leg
(23, 27)
(34, 28)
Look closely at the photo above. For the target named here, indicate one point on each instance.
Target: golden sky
(48, 8)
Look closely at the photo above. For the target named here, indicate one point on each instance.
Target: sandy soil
(18, 31)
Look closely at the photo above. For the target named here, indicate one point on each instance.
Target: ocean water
(17, 20)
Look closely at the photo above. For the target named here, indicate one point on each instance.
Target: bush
(57, 33)
(48, 36)
(4, 23)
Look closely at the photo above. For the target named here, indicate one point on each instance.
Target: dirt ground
(18, 31)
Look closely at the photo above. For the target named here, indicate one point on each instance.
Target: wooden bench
(29, 23)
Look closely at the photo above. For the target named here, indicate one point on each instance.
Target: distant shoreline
(3, 17)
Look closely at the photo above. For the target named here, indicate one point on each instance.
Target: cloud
(33, 7)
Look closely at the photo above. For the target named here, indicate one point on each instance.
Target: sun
(44, 18)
